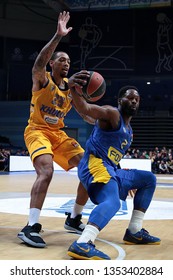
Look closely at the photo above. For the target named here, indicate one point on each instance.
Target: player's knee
(46, 174)
(113, 206)
(151, 179)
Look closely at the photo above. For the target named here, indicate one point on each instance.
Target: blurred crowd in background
(161, 158)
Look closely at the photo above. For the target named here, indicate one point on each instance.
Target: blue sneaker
(141, 237)
(86, 251)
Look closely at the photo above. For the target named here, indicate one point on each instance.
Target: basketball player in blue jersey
(105, 183)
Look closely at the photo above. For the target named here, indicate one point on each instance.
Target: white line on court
(121, 252)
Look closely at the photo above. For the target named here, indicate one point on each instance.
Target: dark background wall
(131, 46)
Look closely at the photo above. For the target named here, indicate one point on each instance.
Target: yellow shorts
(57, 143)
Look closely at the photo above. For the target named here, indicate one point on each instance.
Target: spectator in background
(144, 155)
(170, 152)
(163, 167)
(5, 155)
(156, 150)
(154, 164)
(169, 164)
(127, 155)
(135, 155)
(2, 161)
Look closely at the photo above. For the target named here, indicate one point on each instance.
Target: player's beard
(128, 110)
(63, 75)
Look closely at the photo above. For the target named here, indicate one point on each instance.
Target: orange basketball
(94, 89)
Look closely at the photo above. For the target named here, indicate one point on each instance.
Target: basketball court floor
(14, 208)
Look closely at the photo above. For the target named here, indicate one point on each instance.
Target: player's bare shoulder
(112, 121)
(112, 110)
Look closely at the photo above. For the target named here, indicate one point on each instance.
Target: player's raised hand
(62, 28)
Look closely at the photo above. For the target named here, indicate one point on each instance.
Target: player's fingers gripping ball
(95, 87)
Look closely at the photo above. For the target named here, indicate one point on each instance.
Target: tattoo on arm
(46, 53)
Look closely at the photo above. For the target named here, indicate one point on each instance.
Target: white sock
(34, 215)
(77, 209)
(136, 221)
(90, 233)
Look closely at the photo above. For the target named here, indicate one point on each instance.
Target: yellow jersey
(49, 106)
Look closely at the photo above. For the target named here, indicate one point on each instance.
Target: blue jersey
(104, 150)
(110, 145)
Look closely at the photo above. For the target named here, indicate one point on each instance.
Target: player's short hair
(55, 54)
(124, 89)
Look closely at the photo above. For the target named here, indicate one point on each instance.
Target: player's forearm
(46, 53)
(79, 102)
(88, 119)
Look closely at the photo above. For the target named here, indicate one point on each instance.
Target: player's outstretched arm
(39, 68)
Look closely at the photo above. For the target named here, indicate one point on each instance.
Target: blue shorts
(106, 186)
(93, 170)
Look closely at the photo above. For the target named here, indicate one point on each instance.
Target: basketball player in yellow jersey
(46, 142)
